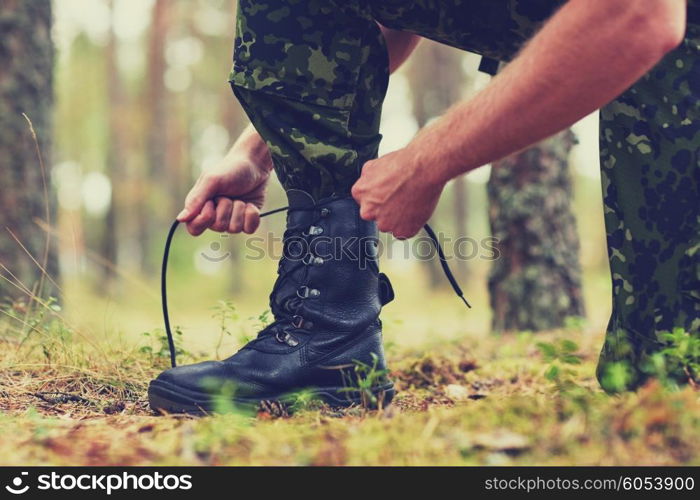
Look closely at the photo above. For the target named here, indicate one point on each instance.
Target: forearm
(251, 145)
(586, 55)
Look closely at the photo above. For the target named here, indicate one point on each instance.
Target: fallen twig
(61, 397)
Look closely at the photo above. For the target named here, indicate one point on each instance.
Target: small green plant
(158, 348)
(563, 352)
(222, 392)
(37, 325)
(561, 357)
(617, 376)
(304, 400)
(678, 362)
(263, 319)
(32, 317)
(363, 379)
(225, 312)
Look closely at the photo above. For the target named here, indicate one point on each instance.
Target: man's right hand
(226, 198)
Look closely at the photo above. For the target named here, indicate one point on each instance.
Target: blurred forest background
(142, 105)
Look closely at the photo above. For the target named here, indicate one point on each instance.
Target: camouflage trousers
(312, 75)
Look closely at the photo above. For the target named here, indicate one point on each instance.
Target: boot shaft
(329, 277)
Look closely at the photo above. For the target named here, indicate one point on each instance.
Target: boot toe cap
(194, 377)
(212, 377)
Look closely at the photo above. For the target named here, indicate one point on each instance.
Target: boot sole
(170, 398)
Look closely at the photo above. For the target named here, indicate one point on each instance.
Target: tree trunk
(115, 159)
(157, 179)
(536, 282)
(26, 86)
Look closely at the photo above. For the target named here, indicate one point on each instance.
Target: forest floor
(66, 400)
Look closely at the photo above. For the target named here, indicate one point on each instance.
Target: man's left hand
(396, 192)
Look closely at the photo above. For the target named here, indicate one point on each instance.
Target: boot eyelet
(291, 304)
(304, 292)
(315, 230)
(286, 338)
(318, 261)
(325, 212)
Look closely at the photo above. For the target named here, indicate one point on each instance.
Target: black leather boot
(326, 338)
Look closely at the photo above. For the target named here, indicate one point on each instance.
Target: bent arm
(587, 54)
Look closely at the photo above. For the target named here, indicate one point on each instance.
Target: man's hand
(396, 192)
(384, 191)
(228, 197)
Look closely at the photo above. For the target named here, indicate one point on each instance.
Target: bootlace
(284, 314)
